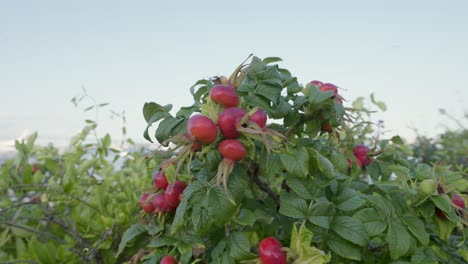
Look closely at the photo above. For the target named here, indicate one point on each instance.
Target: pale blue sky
(412, 54)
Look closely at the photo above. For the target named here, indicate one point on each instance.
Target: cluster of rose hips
(167, 199)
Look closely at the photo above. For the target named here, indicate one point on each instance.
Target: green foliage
(71, 206)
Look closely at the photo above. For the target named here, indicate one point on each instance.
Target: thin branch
(37, 232)
(254, 174)
(92, 253)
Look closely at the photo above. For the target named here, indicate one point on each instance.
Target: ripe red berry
(232, 149)
(168, 260)
(34, 169)
(160, 180)
(228, 121)
(317, 83)
(361, 154)
(440, 214)
(160, 204)
(260, 118)
(202, 129)
(146, 205)
(270, 251)
(458, 201)
(326, 127)
(174, 192)
(224, 95)
(329, 87)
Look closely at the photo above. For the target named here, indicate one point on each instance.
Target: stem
(254, 174)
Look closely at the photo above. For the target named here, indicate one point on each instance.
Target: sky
(413, 55)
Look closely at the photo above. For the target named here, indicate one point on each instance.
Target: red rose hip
(202, 129)
(174, 192)
(224, 95)
(228, 121)
(168, 260)
(160, 180)
(270, 251)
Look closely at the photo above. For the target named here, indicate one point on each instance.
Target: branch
(254, 174)
(92, 253)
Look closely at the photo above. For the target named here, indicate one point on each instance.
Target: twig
(92, 253)
(254, 174)
(34, 231)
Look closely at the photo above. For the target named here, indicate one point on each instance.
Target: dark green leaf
(350, 229)
(321, 213)
(349, 200)
(269, 60)
(398, 238)
(374, 223)
(297, 163)
(417, 228)
(343, 248)
(292, 206)
(167, 128)
(129, 234)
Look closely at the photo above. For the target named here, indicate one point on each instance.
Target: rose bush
(316, 179)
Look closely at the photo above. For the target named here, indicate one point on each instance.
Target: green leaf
(343, 248)
(372, 221)
(442, 203)
(168, 128)
(129, 234)
(187, 111)
(321, 213)
(269, 91)
(382, 204)
(349, 200)
(380, 104)
(297, 163)
(246, 218)
(179, 218)
(350, 229)
(398, 238)
(417, 227)
(239, 245)
(302, 187)
(317, 97)
(269, 60)
(324, 164)
(424, 256)
(292, 206)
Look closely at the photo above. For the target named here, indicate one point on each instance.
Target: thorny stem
(254, 174)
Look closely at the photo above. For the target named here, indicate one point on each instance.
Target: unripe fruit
(202, 129)
(160, 180)
(224, 95)
(428, 186)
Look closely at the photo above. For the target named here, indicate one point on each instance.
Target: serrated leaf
(239, 245)
(372, 221)
(269, 91)
(417, 227)
(179, 217)
(324, 164)
(349, 200)
(398, 238)
(424, 256)
(442, 203)
(296, 162)
(246, 218)
(302, 187)
(343, 248)
(321, 213)
(317, 97)
(292, 206)
(129, 234)
(382, 204)
(167, 128)
(350, 229)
